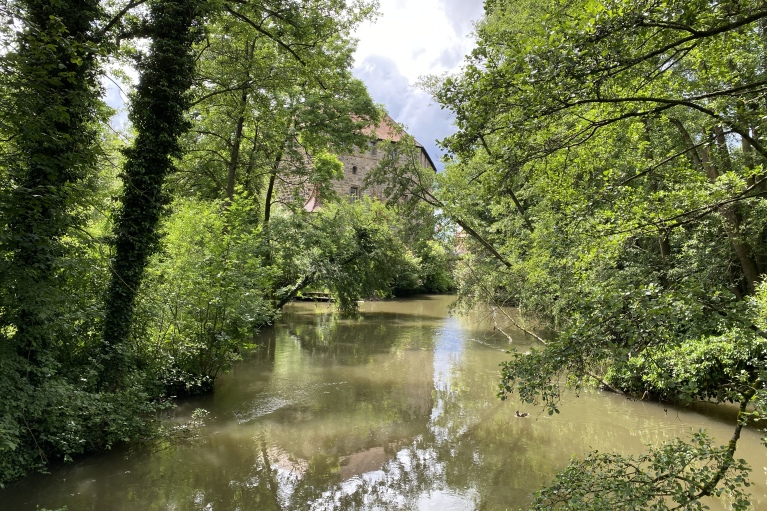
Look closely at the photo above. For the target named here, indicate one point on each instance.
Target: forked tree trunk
(732, 221)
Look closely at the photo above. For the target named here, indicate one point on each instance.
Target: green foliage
(673, 476)
(48, 124)
(408, 186)
(109, 300)
(59, 419)
(435, 261)
(203, 296)
(157, 114)
(610, 170)
(271, 104)
(349, 248)
(327, 167)
(696, 370)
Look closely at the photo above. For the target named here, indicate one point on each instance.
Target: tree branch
(116, 19)
(265, 32)
(216, 92)
(694, 36)
(514, 198)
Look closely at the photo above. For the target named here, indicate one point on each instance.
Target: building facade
(357, 166)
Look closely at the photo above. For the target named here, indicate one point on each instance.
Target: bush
(203, 296)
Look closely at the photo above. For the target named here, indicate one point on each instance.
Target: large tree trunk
(51, 124)
(158, 115)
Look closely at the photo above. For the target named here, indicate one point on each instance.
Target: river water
(394, 409)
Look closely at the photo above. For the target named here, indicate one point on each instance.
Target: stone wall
(356, 167)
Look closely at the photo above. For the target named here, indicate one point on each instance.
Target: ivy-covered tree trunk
(157, 114)
(48, 128)
(50, 118)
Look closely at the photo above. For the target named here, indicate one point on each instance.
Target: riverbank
(394, 407)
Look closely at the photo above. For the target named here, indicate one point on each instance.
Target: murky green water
(393, 410)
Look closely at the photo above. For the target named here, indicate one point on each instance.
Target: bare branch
(265, 32)
(116, 19)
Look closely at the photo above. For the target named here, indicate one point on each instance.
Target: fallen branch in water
(517, 325)
(606, 385)
(499, 308)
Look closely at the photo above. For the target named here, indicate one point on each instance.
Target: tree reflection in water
(394, 409)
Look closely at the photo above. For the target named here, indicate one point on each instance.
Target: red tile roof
(389, 130)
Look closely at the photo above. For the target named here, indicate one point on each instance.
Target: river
(394, 409)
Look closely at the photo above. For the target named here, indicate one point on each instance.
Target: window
(354, 169)
(373, 148)
(354, 193)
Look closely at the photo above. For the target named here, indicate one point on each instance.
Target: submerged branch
(496, 307)
(604, 384)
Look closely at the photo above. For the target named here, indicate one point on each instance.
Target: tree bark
(158, 115)
(234, 156)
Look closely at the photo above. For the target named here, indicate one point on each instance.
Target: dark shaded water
(393, 410)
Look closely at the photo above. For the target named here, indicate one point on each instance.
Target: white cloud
(406, 104)
(415, 35)
(411, 39)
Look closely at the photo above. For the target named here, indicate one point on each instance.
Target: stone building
(358, 165)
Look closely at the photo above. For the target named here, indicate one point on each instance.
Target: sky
(409, 39)
(413, 38)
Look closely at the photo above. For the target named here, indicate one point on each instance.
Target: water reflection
(394, 409)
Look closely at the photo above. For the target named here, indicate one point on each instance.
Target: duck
(523, 414)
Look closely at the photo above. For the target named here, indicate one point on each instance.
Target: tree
(79, 363)
(605, 150)
(263, 115)
(250, 49)
(157, 114)
(49, 123)
(204, 293)
(48, 152)
(349, 248)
